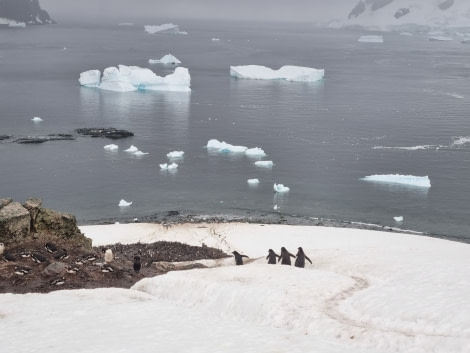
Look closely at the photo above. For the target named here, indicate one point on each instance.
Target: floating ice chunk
(169, 167)
(175, 154)
(255, 152)
(440, 39)
(111, 147)
(264, 164)
(131, 78)
(166, 59)
(224, 147)
(280, 188)
(132, 149)
(37, 119)
(126, 24)
(90, 78)
(215, 39)
(140, 153)
(15, 24)
(371, 39)
(124, 203)
(421, 181)
(167, 28)
(398, 219)
(288, 73)
(253, 181)
(276, 207)
(164, 166)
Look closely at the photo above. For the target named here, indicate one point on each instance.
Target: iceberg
(371, 39)
(287, 73)
(169, 167)
(280, 188)
(90, 78)
(175, 154)
(440, 39)
(132, 149)
(167, 28)
(166, 59)
(124, 203)
(37, 119)
(253, 181)
(132, 78)
(420, 181)
(264, 164)
(398, 219)
(255, 152)
(111, 147)
(224, 147)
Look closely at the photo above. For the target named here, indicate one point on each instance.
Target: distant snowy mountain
(13, 12)
(390, 14)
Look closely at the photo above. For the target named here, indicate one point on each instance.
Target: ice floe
(371, 39)
(131, 149)
(253, 181)
(224, 147)
(280, 188)
(169, 167)
(421, 181)
(132, 78)
(175, 154)
(398, 219)
(440, 39)
(124, 203)
(287, 73)
(167, 28)
(111, 147)
(255, 152)
(37, 119)
(264, 164)
(166, 59)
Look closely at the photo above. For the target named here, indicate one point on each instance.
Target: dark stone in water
(110, 133)
(41, 139)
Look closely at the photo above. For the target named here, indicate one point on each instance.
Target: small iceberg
(253, 181)
(132, 149)
(280, 188)
(371, 39)
(167, 28)
(124, 203)
(175, 154)
(420, 181)
(255, 152)
(166, 59)
(111, 147)
(37, 119)
(224, 147)
(140, 153)
(440, 39)
(398, 219)
(215, 39)
(264, 164)
(287, 73)
(169, 167)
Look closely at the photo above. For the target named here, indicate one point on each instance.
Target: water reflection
(400, 188)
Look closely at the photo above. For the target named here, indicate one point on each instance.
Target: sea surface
(397, 107)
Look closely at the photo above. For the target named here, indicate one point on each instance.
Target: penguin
(9, 257)
(108, 256)
(137, 264)
(61, 255)
(238, 258)
(25, 253)
(89, 257)
(51, 247)
(38, 257)
(2, 248)
(79, 261)
(22, 270)
(106, 268)
(71, 269)
(285, 257)
(300, 258)
(57, 282)
(272, 257)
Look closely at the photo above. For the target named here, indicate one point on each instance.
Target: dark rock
(31, 140)
(111, 132)
(54, 268)
(27, 11)
(4, 137)
(41, 139)
(33, 205)
(15, 222)
(56, 223)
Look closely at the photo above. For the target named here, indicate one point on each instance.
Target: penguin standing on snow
(300, 258)
(285, 257)
(272, 257)
(137, 264)
(238, 257)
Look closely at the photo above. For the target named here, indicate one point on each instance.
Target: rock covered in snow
(287, 73)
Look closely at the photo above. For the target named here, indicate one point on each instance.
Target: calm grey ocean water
(399, 107)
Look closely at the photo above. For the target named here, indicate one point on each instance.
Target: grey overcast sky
(283, 10)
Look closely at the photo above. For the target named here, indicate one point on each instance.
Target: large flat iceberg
(131, 78)
(287, 72)
(421, 181)
(167, 28)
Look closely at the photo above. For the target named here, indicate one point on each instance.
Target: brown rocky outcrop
(19, 222)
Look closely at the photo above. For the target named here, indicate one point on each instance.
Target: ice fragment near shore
(124, 203)
(280, 188)
(36, 119)
(132, 78)
(287, 73)
(253, 181)
(224, 147)
(398, 219)
(166, 59)
(420, 181)
(175, 154)
(264, 164)
(169, 167)
(111, 147)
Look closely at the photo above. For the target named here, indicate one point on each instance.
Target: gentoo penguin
(25, 253)
(285, 257)
(272, 257)
(38, 257)
(71, 269)
(9, 257)
(300, 258)
(238, 257)
(22, 270)
(106, 268)
(57, 282)
(63, 254)
(51, 247)
(137, 264)
(108, 256)
(2, 248)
